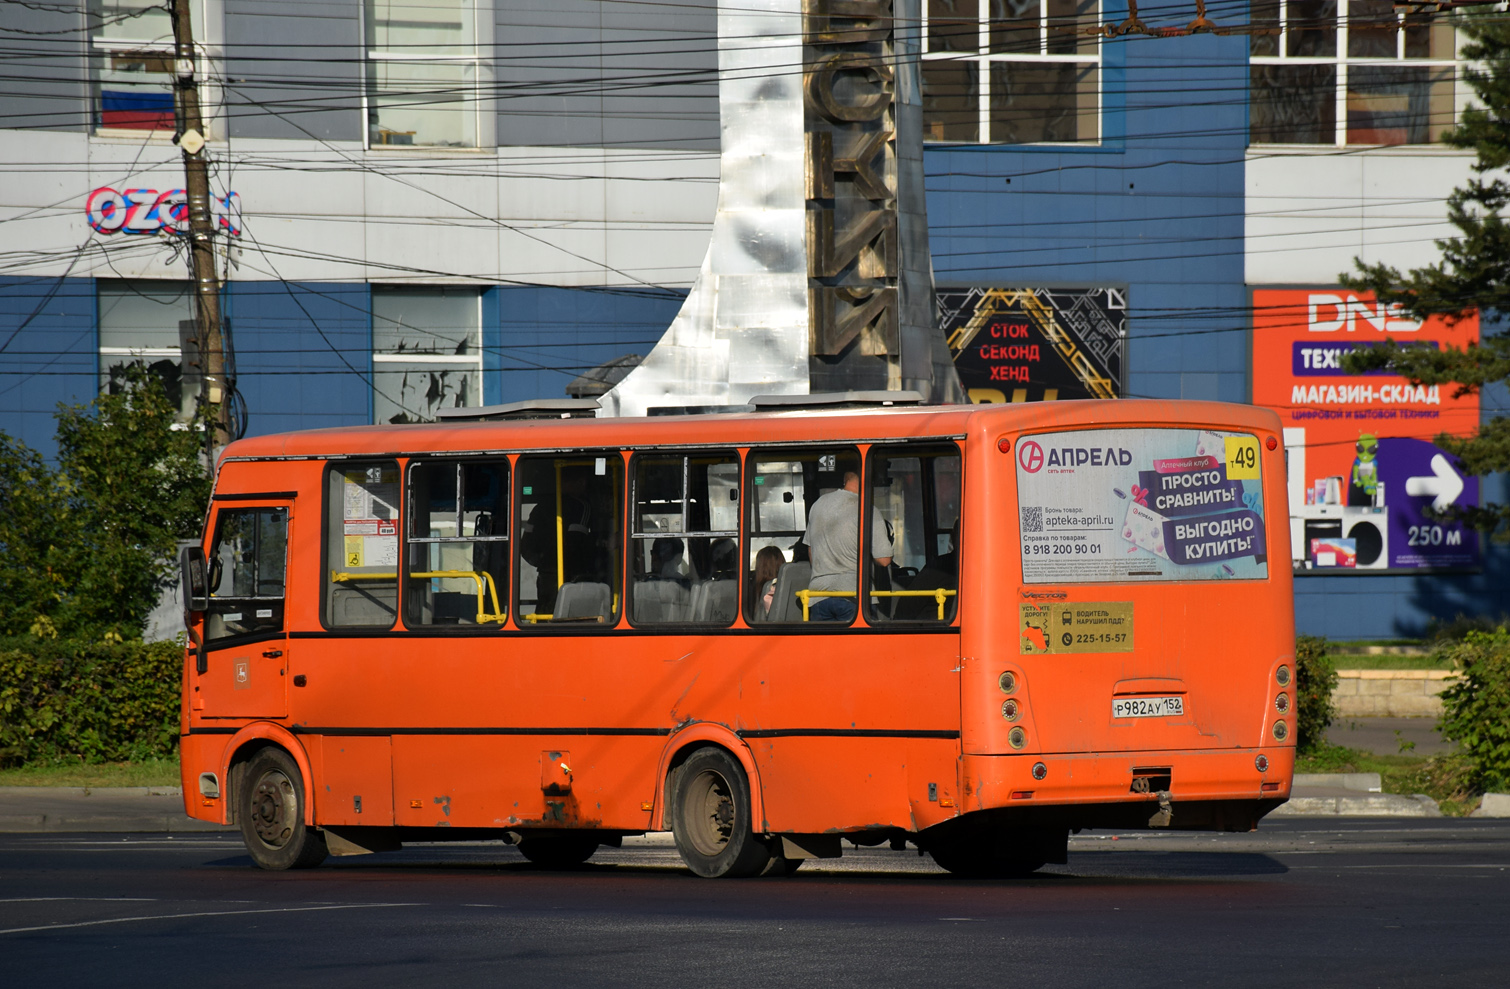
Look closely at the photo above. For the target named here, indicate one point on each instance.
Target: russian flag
(134, 109)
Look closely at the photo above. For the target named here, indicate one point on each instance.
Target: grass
(154, 772)
(1345, 661)
(1441, 777)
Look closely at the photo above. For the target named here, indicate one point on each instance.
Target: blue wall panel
(303, 354)
(47, 354)
(1157, 207)
(548, 336)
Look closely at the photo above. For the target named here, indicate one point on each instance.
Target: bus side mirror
(196, 588)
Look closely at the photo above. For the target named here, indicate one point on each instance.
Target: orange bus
(972, 629)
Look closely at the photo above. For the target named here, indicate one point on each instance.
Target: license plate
(1147, 707)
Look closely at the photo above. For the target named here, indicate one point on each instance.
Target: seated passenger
(763, 583)
(666, 558)
(940, 572)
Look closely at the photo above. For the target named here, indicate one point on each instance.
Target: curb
(115, 809)
(1371, 805)
(1493, 805)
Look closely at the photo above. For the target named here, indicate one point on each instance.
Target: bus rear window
(1103, 505)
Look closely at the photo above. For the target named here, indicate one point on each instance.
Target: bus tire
(271, 813)
(558, 851)
(710, 805)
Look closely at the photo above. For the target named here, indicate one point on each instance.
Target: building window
(422, 73)
(1012, 71)
(426, 352)
(1342, 72)
(131, 45)
(151, 323)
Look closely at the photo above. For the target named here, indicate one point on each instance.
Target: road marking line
(206, 913)
(92, 899)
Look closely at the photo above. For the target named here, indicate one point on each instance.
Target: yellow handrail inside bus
(483, 578)
(560, 534)
(939, 594)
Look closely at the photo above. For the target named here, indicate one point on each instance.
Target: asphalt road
(1299, 903)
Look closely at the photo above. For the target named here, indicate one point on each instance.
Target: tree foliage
(1476, 708)
(1473, 274)
(87, 546)
(1315, 682)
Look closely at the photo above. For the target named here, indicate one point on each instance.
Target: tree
(31, 529)
(1474, 271)
(89, 546)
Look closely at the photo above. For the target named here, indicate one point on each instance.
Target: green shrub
(1476, 708)
(1315, 679)
(64, 700)
(88, 546)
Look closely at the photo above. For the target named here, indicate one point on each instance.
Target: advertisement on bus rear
(1103, 505)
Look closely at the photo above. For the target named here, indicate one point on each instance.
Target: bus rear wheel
(710, 805)
(271, 813)
(558, 851)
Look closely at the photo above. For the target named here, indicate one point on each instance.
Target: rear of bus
(1129, 658)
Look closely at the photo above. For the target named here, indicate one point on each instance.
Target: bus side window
(458, 542)
(783, 574)
(246, 573)
(684, 549)
(361, 550)
(569, 538)
(916, 491)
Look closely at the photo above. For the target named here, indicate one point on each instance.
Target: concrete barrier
(1391, 693)
(1493, 805)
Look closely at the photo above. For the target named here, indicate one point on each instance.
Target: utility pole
(191, 140)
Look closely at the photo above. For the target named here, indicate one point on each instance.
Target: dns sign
(146, 211)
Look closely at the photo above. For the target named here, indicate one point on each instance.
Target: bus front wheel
(271, 814)
(711, 822)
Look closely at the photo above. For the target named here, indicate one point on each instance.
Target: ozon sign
(146, 211)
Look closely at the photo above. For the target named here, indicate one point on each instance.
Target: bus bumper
(204, 755)
(1200, 789)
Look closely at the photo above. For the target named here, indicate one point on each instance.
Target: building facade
(434, 203)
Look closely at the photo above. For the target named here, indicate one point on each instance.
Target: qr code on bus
(1032, 519)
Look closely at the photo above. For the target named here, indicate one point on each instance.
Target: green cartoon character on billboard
(1363, 485)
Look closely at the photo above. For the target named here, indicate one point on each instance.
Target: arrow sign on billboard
(1443, 487)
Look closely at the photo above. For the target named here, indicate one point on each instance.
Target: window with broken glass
(152, 323)
(426, 352)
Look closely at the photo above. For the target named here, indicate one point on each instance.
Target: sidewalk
(118, 809)
(160, 808)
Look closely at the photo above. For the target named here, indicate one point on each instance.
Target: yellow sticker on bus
(1242, 458)
(1077, 626)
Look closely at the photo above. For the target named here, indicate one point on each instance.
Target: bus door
(245, 636)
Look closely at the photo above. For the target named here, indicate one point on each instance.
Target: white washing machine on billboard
(1368, 527)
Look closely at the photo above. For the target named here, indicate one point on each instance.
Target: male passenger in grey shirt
(833, 540)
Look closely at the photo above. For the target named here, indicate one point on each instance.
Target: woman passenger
(767, 565)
